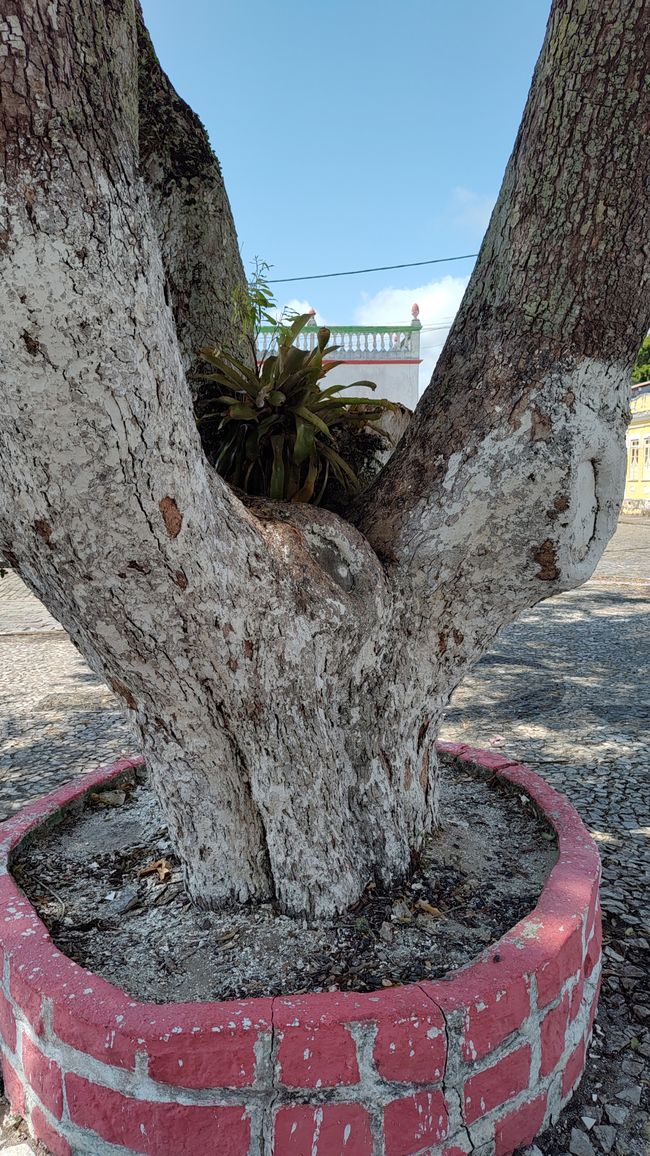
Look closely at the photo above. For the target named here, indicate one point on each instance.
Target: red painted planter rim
(562, 903)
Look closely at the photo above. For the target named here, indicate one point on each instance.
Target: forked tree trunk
(288, 670)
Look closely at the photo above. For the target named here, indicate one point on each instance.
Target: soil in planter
(107, 885)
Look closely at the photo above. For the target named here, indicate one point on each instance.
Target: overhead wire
(374, 269)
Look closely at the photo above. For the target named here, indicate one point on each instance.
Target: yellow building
(637, 481)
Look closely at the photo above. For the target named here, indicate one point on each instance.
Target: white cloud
(296, 305)
(438, 301)
(472, 210)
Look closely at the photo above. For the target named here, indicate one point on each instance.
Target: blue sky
(355, 133)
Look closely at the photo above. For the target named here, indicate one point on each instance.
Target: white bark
(288, 674)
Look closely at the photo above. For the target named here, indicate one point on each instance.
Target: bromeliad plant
(272, 430)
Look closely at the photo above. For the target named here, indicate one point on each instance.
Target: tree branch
(104, 476)
(513, 464)
(190, 208)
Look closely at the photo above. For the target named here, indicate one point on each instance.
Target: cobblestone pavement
(565, 689)
(56, 718)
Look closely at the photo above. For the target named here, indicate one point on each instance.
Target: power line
(375, 269)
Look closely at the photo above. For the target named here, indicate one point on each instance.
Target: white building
(389, 355)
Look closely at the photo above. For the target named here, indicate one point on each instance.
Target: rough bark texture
(190, 209)
(287, 670)
(515, 454)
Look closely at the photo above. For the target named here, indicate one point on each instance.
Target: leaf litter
(108, 886)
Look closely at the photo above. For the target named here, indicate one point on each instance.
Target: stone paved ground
(56, 717)
(566, 689)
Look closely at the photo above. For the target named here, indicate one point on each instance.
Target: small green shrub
(271, 430)
(254, 305)
(641, 371)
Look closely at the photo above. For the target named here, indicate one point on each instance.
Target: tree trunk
(514, 467)
(288, 670)
(191, 213)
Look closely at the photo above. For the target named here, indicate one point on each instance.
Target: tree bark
(288, 670)
(514, 465)
(191, 212)
(108, 510)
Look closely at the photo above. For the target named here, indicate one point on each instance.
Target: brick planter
(486, 1057)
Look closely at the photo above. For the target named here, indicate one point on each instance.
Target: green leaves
(309, 416)
(253, 305)
(272, 431)
(276, 487)
(641, 371)
(305, 442)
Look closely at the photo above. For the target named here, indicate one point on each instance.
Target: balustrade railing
(641, 400)
(354, 342)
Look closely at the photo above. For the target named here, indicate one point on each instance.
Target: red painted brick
(576, 999)
(214, 1040)
(206, 1062)
(574, 1068)
(489, 760)
(519, 1128)
(7, 1023)
(27, 994)
(569, 888)
(501, 1008)
(565, 959)
(331, 1130)
(594, 1005)
(594, 915)
(594, 950)
(97, 1018)
(456, 750)
(212, 1046)
(95, 1031)
(414, 1123)
(497, 1084)
(157, 1129)
(43, 1131)
(44, 1077)
(14, 1090)
(317, 1055)
(411, 1044)
(92, 1016)
(553, 1033)
(479, 992)
(410, 1039)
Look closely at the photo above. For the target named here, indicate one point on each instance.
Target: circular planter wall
(486, 1057)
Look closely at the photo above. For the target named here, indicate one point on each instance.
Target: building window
(634, 460)
(646, 458)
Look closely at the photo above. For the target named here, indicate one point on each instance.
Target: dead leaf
(161, 867)
(227, 937)
(108, 798)
(430, 910)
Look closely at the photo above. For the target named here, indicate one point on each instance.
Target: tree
(641, 371)
(287, 668)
